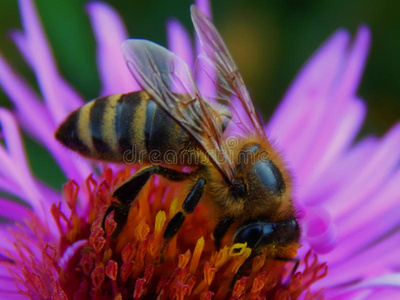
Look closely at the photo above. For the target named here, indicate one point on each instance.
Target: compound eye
(270, 176)
(250, 234)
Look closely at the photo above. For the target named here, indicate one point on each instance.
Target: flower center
(87, 261)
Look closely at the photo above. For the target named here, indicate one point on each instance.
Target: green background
(270, 41)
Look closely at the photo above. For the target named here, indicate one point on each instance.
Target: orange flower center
(87, 261)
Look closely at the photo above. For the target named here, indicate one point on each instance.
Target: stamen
(97, 240)
(129, 263)
(239, 288)
(139, 288)
(209, 273)
(160, 221)
(196, 255)
(222, 257)
(183, 259)
(173, 209)
(237, 249)
(112, 270)
(86, 263)
(127, 252)
(97, 277)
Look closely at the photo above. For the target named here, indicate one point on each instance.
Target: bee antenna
(296, 260)
(243, 267)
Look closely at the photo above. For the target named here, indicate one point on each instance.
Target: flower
(55, 246)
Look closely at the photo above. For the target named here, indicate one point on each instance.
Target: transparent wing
(228, 81)
(167, 78)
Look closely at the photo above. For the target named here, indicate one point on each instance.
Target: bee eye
(250, 234)
(270, 176)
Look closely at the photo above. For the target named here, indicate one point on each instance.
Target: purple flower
(346, 192)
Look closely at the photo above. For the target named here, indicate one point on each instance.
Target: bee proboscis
(170, 114)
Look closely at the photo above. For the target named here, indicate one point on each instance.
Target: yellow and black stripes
(108, 127)
(129, 121)
(69, 134)
(101, 126)
(162, 133)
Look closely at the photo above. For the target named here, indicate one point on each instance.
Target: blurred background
(269, 40)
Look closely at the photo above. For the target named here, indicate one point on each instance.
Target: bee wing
(230, 85)
(167, 78)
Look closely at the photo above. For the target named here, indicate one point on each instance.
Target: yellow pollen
(173, 209)
(196, 255)
(160, 221)
(238, 249)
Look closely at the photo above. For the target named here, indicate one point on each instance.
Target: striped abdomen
(122, 128)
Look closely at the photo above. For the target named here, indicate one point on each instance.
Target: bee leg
(128, 191)
(188, 207)
(220, 230)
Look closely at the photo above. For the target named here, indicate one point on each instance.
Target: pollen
(238, 249)
(196, 255)
(160, 221)
(173, 208)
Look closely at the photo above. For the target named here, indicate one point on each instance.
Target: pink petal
(9, 186)
(355, 295)
(25, 99)
(15, 295)
(12, 210)
(39, 124)
(366, 263)
(6, 243)
(318, 230)
(371, 176)
(354, 66)
(74, 100)
(342, 92)
(12, 140)
(14, 163)
(20, 41)
(60, 101)
(70, 252)
(389, 282)
(337, 175)
(179, 41)
(8, 290)
(329, 146)
(110, 33)
(379, 205)
(204, 73)
(14, 168)
(379, 211)
(310, 86)
(387, 293)
(204, 6)
(4, 273)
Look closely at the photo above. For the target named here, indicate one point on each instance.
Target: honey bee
(250, 194)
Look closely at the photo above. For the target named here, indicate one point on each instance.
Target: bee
(246, 183)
